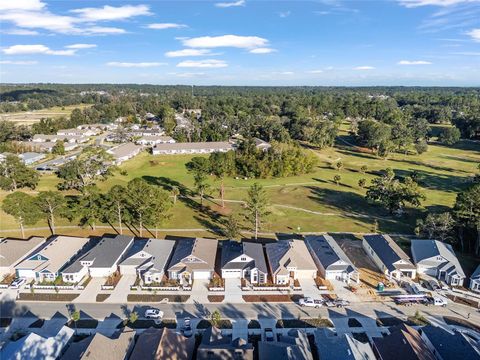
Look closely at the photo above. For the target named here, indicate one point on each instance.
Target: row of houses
(188, 259)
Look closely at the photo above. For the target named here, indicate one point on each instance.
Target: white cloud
(36, 49)
(81, 46)
(315, 71)
(443, 3)
(24, 5)
(230, 4)
(188, 52)
(364, 68)
(21, 32)
(210, 63)
(135, 65)
(245, 42)
(262, 50)
(286, 73)
(11, 62)
(467, 53)
(414, 62)
(101, 30)
(112, 13)
(474, 34)
(163, 26)
(284, 14)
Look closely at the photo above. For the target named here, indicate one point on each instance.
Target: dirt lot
(369, 274)
(30, 117)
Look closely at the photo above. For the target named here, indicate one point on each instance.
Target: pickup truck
(310, 302)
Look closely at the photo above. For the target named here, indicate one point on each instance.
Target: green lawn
(442, 172)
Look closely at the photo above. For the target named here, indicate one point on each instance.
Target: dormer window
(243, 258)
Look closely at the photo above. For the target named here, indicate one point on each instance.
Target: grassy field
(311, 202)
(30, 117)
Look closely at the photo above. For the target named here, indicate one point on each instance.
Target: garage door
(201, 274)
(231, 274)
(306, 274)
(128, 270)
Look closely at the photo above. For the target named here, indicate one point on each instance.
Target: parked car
(187, 328)
(268, 334)
(18, 282)
(310, 302)
(341, 302)
(153, 313)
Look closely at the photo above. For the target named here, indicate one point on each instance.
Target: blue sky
(236, 42)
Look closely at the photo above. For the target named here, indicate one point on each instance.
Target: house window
(243, 258)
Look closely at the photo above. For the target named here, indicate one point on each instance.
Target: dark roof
(255, 251)
(328, 252)
(426, 249)
(386, 249)
(332, 346)
(403, 343)
(294, 346)
(183, 249)
(216, 346)
(450, 346)
(231, 250)
(163, 344)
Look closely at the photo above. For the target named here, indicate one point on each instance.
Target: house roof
(163, 344)
(476, 273)
(105, 254)
(194, 254)
(403, 343)
(387, 250)
(328, 252)
(452, 345)
(34, 346)
(291, 253)
(14, 250)
(124, 150)
(426, 249)
(233, 249)
(156, 137)
(45, 137)
(223, 347)
(53, 254)
(255, 251)
(294, 346)
(194, 146)
(341, 347)
(101, 347)
(159, 251)
(31, 156)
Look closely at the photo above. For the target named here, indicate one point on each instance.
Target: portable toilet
(381, 286)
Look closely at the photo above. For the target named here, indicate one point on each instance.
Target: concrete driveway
(309, 288)
(89, 294)
(343, 292)
(199, 292)
(233, 291)
(119, 294)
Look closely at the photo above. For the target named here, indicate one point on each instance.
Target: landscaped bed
(148, 323)
(83, 324)
(221, 324)
(157, 298)
(113, 279)
(102, 297)
(7, 279)
(46, 297)
(450, 320)
(304, 323)
(215, 298)
(271, 298)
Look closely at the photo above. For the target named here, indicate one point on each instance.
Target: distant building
(124, 152)
(330, 259)
(79, 132)
(475, 280)
(44, 147)
(333, 346)
(193, 148)
(290, 260)
(36, 347)
(437, 259)
(147, 132)
(294, 346)
(403, 343)
(14, 251)
(215, 346)
(193, 259)
(45, 138)
(154, 140)
(244, 260)
(31, 157)
(163, 344)
(388, 256)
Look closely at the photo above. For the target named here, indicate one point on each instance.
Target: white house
(193, 259)
(290, 260)
(101, 260)
(45, 138)
(154, 140)
(46, 263)
(14, 251)
(388, 256)
(244, 260)
(330, 259)
(85, 132)
(475, 280)
(124, 152)
(437, 259)
(148, 259)
(193, 148)
(31, 157)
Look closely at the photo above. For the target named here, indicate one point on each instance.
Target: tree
(361, 183)
(364, 169)
(200, 168)
(115, 205)
(51, 204)
(58, 148)
(376, 135)
(140, 202)
(133, 317)
(449, 135)
(231, 227)
(90, 206)
(393, 194)
(421, 147)
(22, 207)
(215, 318)
(222, 165)
(75, 316)
(337, 178)
(167, 116)
(14, 174)
(175, 193)
(256, 206)
(161, 205)
(93, 164)
(467, 213)
(339, 165)
(436, 226)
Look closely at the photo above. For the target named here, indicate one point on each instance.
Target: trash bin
(381, 287)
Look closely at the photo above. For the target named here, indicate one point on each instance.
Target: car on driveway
(17, 283)
(310, 302)
(153, 313)
(268, 334)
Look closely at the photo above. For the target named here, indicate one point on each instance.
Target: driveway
(119, 294)
(89, 294)
(199, 293)
(342, 291)
(233, 291)
(309, 288)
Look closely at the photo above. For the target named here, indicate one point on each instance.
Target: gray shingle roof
(386, 249)
(450, 346)
(341, 347)
(160, 251)
(205, 250)
(476, 273)
(294, 252)
(255, 251)
(233, 249)
(14, 250)
(424, 249)
(328, 252)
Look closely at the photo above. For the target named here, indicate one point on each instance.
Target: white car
(17, 283)
(153, 314)
(310, 302)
